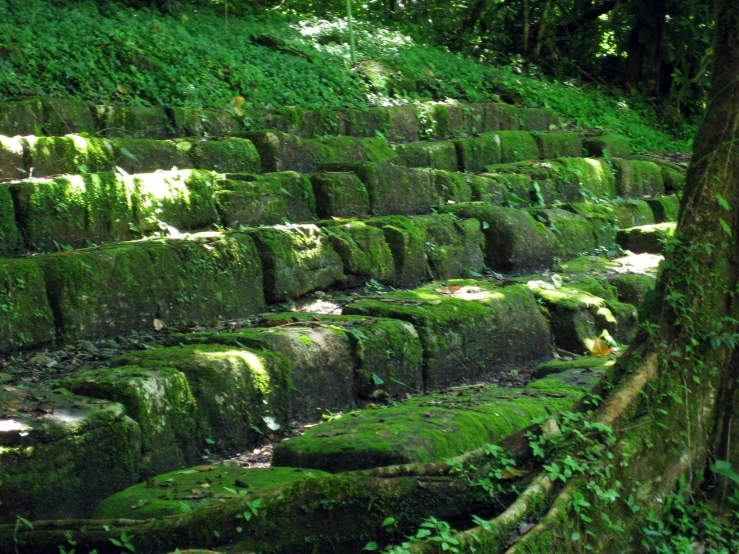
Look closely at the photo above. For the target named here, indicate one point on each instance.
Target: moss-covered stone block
(171, 493)
(632, 287)
(252, 200)
(514, 240)
(11, 243)
(146, 155)
(453, 186)
(230, 155)
(317, 363)
(363, 251)
(633, 212)
(596, 176)
(113, 289)
(474, 153)
(609, 144)
(436, 155)
(230, 394)
(162, 404)
(506, 189)
(392, 190)
(196, 122)
(66, 115)
(467, 328)
(665, 208)
(646, 238)
(517, 146)
(636, 178)
(11, 158)
(403, 125)
(586, 364)
(70, 154)
(535, 119)
(366, 122)
(24, 117)
(673, 179)
(504, 117)
(574, 233)
(454, 248)
(425, 429)
(339, 194)
(576, 317)
(297, 259)
(26, 319)
(282, 152)
(74, 210)
(62, 453)
(183, 199)
(558, 144)
(133, 122)
(603, 219)
(408, 246)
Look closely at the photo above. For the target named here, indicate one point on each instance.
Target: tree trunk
(667, 414)
(647, 68)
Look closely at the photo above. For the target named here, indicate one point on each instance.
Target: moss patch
(436, 155)
(24, 117)
(616, 146)
(10, 238)
(71, 154)
(253, 200)
(635, 178)
(145, 155)
(181, 492)
(339, 194)
(559, 144)
(25, 315)
(63, 453)
(467, 328)
(474, 153)
(665, 209)
(424, 429)
(454, 248)
(645, 239)
(453, 186)
(408, 247)
(196, 122)
(363, 251)
(11, 158)
(231, 155)
(133, 122)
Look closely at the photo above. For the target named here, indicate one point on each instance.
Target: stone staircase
(491, 233)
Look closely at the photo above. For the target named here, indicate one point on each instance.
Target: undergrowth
(106, 53)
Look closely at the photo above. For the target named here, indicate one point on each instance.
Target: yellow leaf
(122, 89)
(238, 111)
(158, 325)
(238, 100)
(600, 348)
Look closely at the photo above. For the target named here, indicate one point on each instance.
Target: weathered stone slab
(363, 250)
(61, 454)
(559, 144)
(171, 493)
(468, 328)
(71, 154)
(339, 194)
(615, 146)
(425, 429)
(646, 238)
(636, 178)
(26, 319)
(11, 242)
(196, 122)
(252, 200)
(666, 208)
(514, 240)
(113, 289)
(132, 122)
(436, 155)
(66, 115)
(24, 117)
(230, 155)
(11, 158)
(453, 186)
(408, 248)
(297, 259)
(144, 155)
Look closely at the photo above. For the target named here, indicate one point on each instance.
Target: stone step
(424, 429)
(409, 123)
(646, 239)
(32, 156)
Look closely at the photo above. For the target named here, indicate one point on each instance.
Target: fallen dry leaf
(600, 348)
(158, 325)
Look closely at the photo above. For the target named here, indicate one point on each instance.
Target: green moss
(133, 122)
(74, 210)
(474, 327)
(474, 153)
(366, 122)
(586, 362)
(10, 238)
(318, 364)
(178, 280)
(645, 239)
(181, 199)
(24, 117)
(339, 194)
(392, 190)
(666, 208)
(296, 260)
(25, 315)
(505, 117)
(453, 247)
(594, 175)
(66, 115)
(229, 390)
(673, 179)
(145, 155)
(574, 234)
(231, 155)
(632, 288)
(196, 122)
(633, 212)
(172, 493)
(376, 150)
(515, 241)
(535, 119)
(253, 200)
(636, 178)
(559, 144)
(408, 247)
(616, 146)
(11, 158)
(453, 186)
(423, 429)
(436, 155)
(71, 154)
(60, 464)
(162, 404)
(283, 152)
(363, 251)
(517, 146)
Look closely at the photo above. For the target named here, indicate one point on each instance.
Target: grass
(106, 53)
